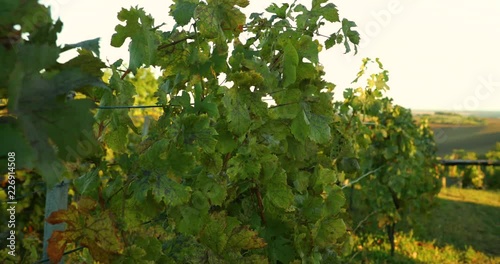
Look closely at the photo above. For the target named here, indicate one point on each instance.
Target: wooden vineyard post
(56, 199)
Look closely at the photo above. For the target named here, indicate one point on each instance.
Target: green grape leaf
(12, 140)
(243, 238)
(320, 129)
(163, 189)
(35, 57)
(290, 62)
(288, 104)
(335, 199)
(329, 12)
(300, 180)
(220, 19)
(324, 177)
(226, 142)
(281, 249)
(88, 183)
(306, 71)
(192, 220)
(308, 48)
(279, 11)
(151, 245)
(134, 254)
(45, 117)
(144, 42)
(116, 137)
(214, 233)
(296, 149)
(183, 11)
(209, 25)
(199, 201)
(351, 35)
(91, 45)
(242, 167)
(46, 32)
(328, 230)
(195, 131)
(223, 233)
(331, 41)
(300, 127)
(278, 192)
(313, 208)
(349, 165)
(238, 115)
(213, 190)
(87, 63)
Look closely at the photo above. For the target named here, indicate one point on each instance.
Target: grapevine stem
(125, 74)
(364, 220)
(163, 46)
(65, 253)
(361, 177)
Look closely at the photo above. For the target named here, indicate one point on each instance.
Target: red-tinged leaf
(57, 245)
(58, 217)
(92, 229)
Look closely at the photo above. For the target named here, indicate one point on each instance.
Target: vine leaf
(278, 192)
(328, 230)
(213, 190)
(91, 45)
(307, 125)
(223, 233)
(279, 11)
(329, 12)
(144, 42)
(350, 35)
(52, 127)
(220, 19)
(195, 133)
(238, 115)
(308, 48)
(97, 232)
(300, 126)
(162, 188)
(183, 11)
(320, 130)
(290, 62)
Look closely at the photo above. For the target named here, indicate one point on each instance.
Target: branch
(65, 253)
(284, 104)
(166, 45)
(125, 74)
(361, 177)
(364, 220)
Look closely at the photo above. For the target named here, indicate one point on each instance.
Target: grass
(464, 218)
(463, 227)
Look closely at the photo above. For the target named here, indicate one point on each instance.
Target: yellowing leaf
(96, 231)
(244, 238)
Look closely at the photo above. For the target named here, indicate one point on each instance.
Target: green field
(463, 227)
(476, 138)
(479, 139)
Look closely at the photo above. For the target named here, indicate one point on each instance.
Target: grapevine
(195, 166)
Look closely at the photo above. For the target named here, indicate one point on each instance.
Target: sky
(441, 55)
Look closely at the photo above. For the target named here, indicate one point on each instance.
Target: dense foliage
(396, 154)
(447, 118)
(474, 176)
(219, 175)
